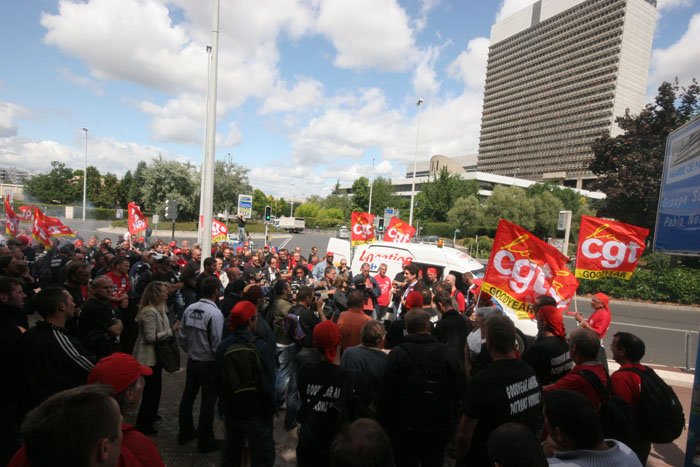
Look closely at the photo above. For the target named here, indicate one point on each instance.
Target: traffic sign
(245, 205)
(678, 214)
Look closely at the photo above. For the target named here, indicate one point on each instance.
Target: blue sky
(309, 91)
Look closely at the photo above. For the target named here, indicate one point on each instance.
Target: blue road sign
(678, 216)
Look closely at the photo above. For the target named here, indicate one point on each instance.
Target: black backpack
(660, 417)
(427, 399)
(241, 370)
(616, 414)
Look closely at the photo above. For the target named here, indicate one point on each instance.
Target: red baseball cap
(432, 271)
(414, 300)
(177, 251)
(330, 253)
(119, 370)
(242, 312)
(172, 244)
(327, 338)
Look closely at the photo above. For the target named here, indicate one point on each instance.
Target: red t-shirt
(461, 303)
(628, 384)
(600, 322)
(579, 384)
(121, 284)
(385, 286)
(350, 324)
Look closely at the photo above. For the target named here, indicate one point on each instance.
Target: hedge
(191, 226)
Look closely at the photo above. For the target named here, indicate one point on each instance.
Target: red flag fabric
(40, 228)
(219, 231)
(12, 220)
(361, 231)
(137, 221)
(26, 213)
(523, 267)
(399, 231)
(608, 248)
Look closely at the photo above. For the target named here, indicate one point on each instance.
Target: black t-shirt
(284, 266)
(307, 320)
(94, 320)
(549, 357)
(241, 222)
(505, 391)
(171, 278)
(320, 386)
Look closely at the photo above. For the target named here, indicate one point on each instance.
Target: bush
(441, 229)
(677, 285)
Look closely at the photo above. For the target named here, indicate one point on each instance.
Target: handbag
(168, 354)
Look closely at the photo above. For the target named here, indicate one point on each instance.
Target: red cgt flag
(361, 228)
(12, 220)
(523, 267)
(608, 248)
(137, 221)
(219, 231)
(26, 212)
(399, 231)
(40, 228)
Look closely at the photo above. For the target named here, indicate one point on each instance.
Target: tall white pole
(371, 183)
(208, 185)
(204, 152)
(85, 174)
(415, 161)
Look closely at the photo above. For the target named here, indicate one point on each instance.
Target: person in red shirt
(583, 351)
(384, 298)
(120, 279)
(459, 296)
(599, 322)
(628, 350)
(351, 321)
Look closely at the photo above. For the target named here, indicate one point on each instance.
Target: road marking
(284, 243)
(649, 327)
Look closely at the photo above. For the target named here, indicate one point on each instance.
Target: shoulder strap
(636, 371)
(595, 382)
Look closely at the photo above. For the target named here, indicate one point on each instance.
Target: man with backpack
(423, 388)
(659, 414)
(245, 381)
(285, 346)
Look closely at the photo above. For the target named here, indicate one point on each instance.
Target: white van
(445, 260)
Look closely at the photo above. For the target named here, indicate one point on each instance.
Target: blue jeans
(199, 374)
(258, 432)
(286, 372)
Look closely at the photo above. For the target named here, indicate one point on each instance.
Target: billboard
(245, 205)
(678, 215)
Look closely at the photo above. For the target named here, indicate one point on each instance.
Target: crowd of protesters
(370, 370)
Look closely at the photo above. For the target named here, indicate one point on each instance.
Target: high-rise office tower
(559, 73)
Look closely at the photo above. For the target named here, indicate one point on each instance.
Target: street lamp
(85, 174)
(291, 206)
(415, 161)
(454, 239)
(371, 183)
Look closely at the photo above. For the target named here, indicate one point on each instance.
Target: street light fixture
(85, 174)
(415, 161)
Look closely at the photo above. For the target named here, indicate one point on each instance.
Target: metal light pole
(208, 185)
(85, 174)
(205, 150)
(415, 161)
(371, 183)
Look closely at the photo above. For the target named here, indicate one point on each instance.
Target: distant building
(465, 167)
(559, 72)
(16, 176)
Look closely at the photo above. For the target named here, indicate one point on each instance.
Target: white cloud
(307, 92)
(179, 120)
(368, 34)
(422, 20)
(424, 78)
(470, 66)
(508, 7)
(10, 112)
(681, 59)
(233, 138)
(83, 81)
(669, 4)
(107, 154)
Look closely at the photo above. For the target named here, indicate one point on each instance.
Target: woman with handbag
(154, 334)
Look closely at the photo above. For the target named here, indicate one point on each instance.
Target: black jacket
(452, 329)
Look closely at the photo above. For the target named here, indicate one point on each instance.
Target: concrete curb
(672, 376)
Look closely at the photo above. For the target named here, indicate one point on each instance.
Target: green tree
(230, 180)
(382, 195)
(331, 213)
(163, 180)
(124, 187)
(360, 194)
(629, 166)
(259, 202)
(58, 186)
(466, 214)
(307, 210)
(512, 204)
(569, 197)
(108, 194)
(135, 192)
(341, 202)
(547, 207)
(439, 195)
